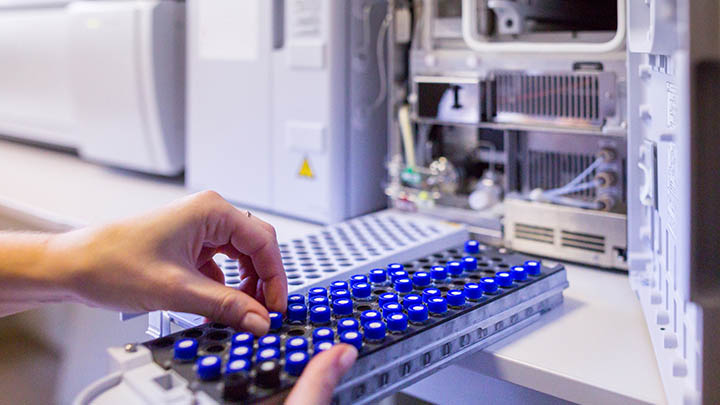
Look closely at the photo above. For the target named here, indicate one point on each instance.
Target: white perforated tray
(338, 251)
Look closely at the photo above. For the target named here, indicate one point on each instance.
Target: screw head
(131, 347)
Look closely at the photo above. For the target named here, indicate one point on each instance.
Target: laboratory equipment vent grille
(564, 98)
(584, 241)
(355, 246)
(534, 233)
(548, 170)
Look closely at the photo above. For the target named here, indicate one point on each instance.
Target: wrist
(66, 260)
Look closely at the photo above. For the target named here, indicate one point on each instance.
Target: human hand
(164, 260)
(318, 380)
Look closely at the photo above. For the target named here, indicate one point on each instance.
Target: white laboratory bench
(595, 349)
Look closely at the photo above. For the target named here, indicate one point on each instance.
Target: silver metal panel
(567, 233)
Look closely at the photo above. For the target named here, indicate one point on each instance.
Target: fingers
(206, 297)
(246, 235)
(257, 240)
(322, 374)
(211, 270)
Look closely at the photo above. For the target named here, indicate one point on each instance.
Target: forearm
(30, 272)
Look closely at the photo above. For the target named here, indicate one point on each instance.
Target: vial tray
(451, 308)
(337, 251)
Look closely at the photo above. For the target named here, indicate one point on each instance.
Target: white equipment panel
(285, 106)
(103, 77)
(674, 85)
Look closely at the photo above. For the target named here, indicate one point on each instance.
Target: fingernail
(255, 323)
(347, 359)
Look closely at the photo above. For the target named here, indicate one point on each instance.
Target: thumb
(322, 374)
(223, 304)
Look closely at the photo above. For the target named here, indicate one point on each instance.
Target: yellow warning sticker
(305, 170)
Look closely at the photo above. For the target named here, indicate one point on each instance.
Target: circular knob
(378, 276)
(421, 279)
(489, 285)
(208, 367)
(268, 374)
(410, 300)
(296, 344)
(342, 307)
(185, 349)
(397, 322)
(348, 325)
(352, 338)
(242, 339)
(455, 298)
(473, 291)
(295, 363)
(320, 314)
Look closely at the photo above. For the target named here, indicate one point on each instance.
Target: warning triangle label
(305, 170)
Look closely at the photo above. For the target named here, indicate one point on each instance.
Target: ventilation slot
(534, 233)
(584, 241)
(574, 98)
(548, 170)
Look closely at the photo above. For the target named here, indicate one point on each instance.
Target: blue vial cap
(342, 307)
(208, 367)
(533, 267)
(318, 300)
(297, 313)
(418, 313)
(395, 267)
(267, 353)
(472, 246)
(185, 349)
(518, 273)
(315, 291)
(474, 291)
(489, 285)
(504, 279)
(320, 314)
(358, 278)
(378, 276)
(398, 274)
(323, 334)
(322, 346)
(438, 272)
(296, 299)
(455, 268)
(295, 344)
(339, 294)
(242, 339)
(375, 330)
(348, 324)
(411, 299)
(469, 263)
(361, 290)
(385, 298)
(437, 305)
(276, 319)
(397, 322)
(295, 363)
(352, 337)
(338, 285)
(403, 285)
(369, 316)
(237, 365)
(269, 341)
(455, 298)
(391, 308)
(430, 293)
(241, 352)
(421, 279)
